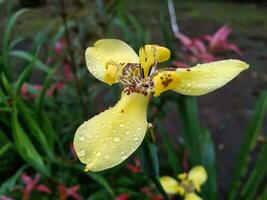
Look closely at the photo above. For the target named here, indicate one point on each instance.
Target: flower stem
(149, 160)
(74, 67)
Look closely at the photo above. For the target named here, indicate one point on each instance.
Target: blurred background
(47, 92)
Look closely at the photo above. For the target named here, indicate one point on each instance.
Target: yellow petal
(112, 136)
(169, 184)
(162, 53)
(192, 196)
(165, 80)
(108, 51)
(151, 54)
(198, 176)
(202, 78)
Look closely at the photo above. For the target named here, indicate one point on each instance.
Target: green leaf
(25, 73)
(188, 113)
(7, 33)
(263, 195)
(149, 160)
(208, 160)
(173, 157)
(24, 145)
(34, 129)
(259, 171)
(252, 132)
(10, 183)
(29, 57)
(4, 148)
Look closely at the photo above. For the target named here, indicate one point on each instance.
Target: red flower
(64, 192)
(31, 184)
(122, 197)
(136, 167)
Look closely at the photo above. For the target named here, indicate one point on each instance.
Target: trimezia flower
(112, 136)
(187, 185)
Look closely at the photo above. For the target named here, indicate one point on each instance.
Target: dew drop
(136, 138)
(106, 157)
(121, 125)
(139, 129)
(116, 139)
(127, 132)
(98, 153)
(82, 138)
(81, 152)
(123, 157)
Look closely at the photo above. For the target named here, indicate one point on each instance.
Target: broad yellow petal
(192, 196)
(105, 52)
(169, 184)
(201, 79)
(112, 136)
(198, 175)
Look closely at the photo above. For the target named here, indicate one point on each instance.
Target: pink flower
(218, 41)
(60, 45)
(136, 167)
(31, 184)
(122, 197)
(55, 88)
(25, 93)
(64, 192)
(67, 71)
(6, 198)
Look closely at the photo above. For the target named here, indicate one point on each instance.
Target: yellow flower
(110, 137)
(187, 184)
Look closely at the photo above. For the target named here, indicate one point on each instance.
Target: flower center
(133, 79)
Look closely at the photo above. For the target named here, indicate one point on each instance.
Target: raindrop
(98, 153)
(121, 125)
(127, 132)
(106, 157)
(82, 138)
(81, 152)
(136, 138)
(139, 129)
(123, 157)
(116, 139)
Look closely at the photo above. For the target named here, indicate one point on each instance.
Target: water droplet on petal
(106, 157)
(81, 153)
(121, 125)
(82, 138)
(98, 153)
(136, 138)
(123, 157)
(127, 132)
(139, 129)
(116, 139)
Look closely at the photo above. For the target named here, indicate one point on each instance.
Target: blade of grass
(10, 183)
(251, 186)
(208, 160)
(263, 195)
(29, 57)
(24, 145)
(6, 37)
(188, 113)
(149, 161)
(249, 143)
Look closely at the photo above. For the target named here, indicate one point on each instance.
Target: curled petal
(169, 184)
(108, 51)
(198, 175)
(192, 196)
(112, 136)
(199, 80)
